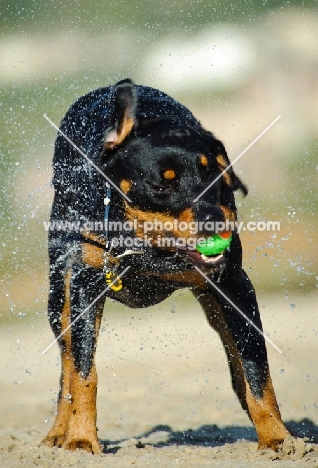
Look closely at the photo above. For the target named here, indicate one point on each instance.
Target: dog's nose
(209, 218)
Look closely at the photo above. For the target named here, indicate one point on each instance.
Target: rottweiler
(133, 167)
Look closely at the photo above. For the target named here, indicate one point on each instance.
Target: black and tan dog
(159, 159)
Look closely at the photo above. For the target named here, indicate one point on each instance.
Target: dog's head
(178, 178)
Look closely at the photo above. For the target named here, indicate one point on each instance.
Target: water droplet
(282, 371)
(292, 306)
(68, 398)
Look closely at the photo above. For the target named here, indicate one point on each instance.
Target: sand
(164, 395)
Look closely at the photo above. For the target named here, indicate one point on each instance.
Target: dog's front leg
(75, 423)
(247, 356)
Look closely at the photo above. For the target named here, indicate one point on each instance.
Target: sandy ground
(164, 395)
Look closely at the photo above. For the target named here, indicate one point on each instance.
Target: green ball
(215, 244)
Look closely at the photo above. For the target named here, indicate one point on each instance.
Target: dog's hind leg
(72, 291)
(247, 357)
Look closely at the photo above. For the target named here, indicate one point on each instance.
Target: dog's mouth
(195, 257)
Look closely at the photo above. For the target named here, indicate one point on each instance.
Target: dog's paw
(291, 448)
(53, 441)
(273, 444)
(91, 446)
(294, 448)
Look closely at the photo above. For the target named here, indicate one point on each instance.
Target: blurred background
(237, 67)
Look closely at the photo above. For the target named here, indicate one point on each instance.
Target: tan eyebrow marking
(169, 174)
(204, 160)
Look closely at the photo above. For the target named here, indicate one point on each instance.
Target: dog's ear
(124, 115)
(229, 177)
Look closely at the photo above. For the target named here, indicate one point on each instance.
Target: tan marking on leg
(81, 429)
(266, 417)
(75, 424)
(263, 412)
(56, 435)
(216, 319)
